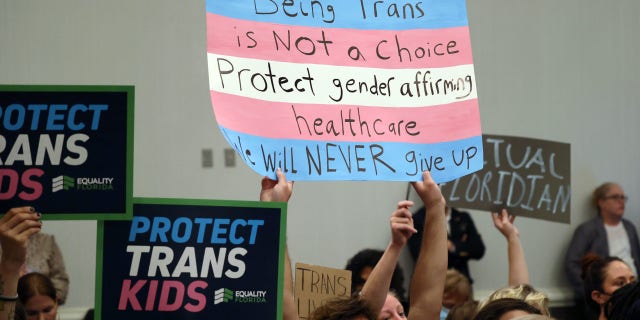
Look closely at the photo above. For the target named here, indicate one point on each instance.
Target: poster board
(192, 259)
(67, 150)
(316, 284)
(530, 177)
(346, 90)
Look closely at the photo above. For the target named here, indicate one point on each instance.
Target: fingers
(405, 204)
(428, 191)
(496, 218)
(15, 216)
(19, 224)
(282, 179)
(405, 228)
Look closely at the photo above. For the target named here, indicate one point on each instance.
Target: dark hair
(343, 309)
(33, 284)
(19, 312)
(624, 303)
(594, 272)
(496, 308)
(369, 258)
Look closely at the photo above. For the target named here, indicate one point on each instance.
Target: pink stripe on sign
(317, 122)
(397, 49)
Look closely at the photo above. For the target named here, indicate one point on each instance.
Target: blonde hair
(524, 292)
(457, 283)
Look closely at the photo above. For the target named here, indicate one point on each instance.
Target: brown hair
(33, 284)
(594, 272)
(343, 309)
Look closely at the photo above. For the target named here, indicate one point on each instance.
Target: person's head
(609, 200)
(361, 265)
(524, 292)
(602, 276)
(350, 308)
(464, 311)
(392, 309)
(624, 303)
(457, 289)
(38, 297)
(505, 309)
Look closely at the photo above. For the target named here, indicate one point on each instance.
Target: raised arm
(280, 191)
(16, 226)
(427, 283)
(375, 289)
(518, 271)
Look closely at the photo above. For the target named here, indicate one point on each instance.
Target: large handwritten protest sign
(530, 177)
(67, 150)
(192, 259)
(346, 90)
(317, 284)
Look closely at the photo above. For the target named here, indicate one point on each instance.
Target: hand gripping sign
(346, 90)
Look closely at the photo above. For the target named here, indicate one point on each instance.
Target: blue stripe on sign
(351, 14)
(390, 161)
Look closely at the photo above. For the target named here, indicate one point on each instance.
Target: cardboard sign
(192, 259)
(315, 284)
(67, 150)
(346, 90)
(529, 177)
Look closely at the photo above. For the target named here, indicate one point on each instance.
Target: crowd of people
(601, 263)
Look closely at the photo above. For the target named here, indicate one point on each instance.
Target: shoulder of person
(590, 225)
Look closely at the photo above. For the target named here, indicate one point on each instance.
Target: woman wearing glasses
(608, 234)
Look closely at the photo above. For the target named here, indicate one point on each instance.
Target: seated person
(606, 234)
(463, 240)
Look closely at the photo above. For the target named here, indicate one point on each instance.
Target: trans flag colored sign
(346, 90)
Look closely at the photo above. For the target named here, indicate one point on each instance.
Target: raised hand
(503, 221)
(276, 191)
(402, 223)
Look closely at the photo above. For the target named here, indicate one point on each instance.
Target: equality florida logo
(225, 295)
(66, 183)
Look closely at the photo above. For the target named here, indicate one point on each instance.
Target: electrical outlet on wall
(229, 158)
(207, 158)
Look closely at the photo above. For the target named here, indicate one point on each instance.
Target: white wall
(558, 70)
